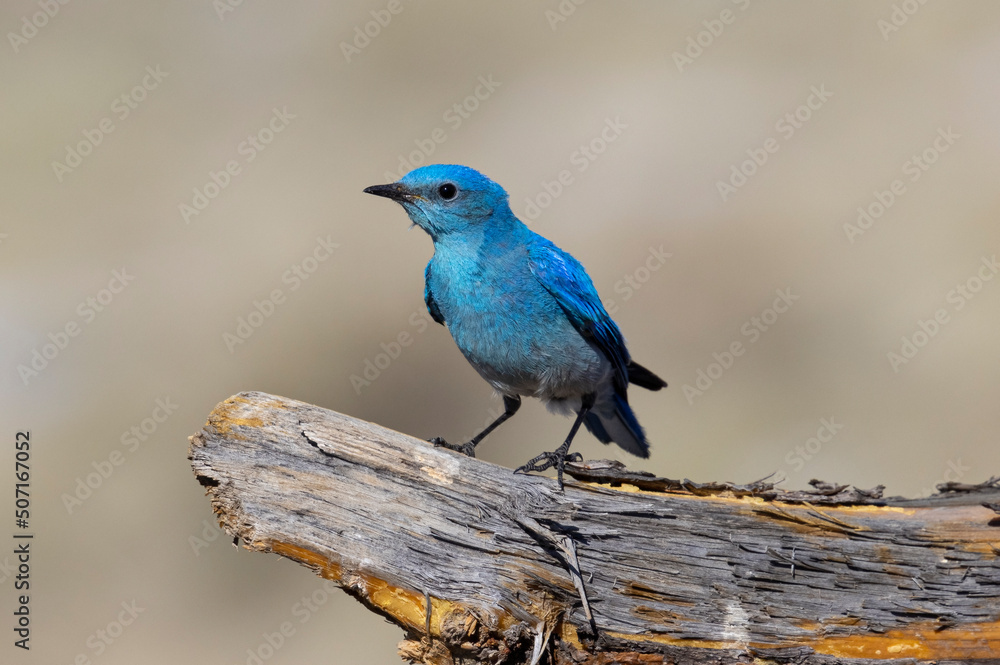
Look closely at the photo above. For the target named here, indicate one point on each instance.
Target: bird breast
(516, 335)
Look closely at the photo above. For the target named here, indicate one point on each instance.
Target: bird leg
(511, 403)
(557, 458)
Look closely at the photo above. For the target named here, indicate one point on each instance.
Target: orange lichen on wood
(920, 640)
(924, 640)
(405, 607)
(328, 569)
(223, 418)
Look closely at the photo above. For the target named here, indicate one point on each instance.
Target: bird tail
(612, 419)
(641, 376)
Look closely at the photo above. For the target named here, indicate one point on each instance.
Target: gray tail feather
(612, 419)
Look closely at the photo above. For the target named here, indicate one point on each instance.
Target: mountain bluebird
(521, 310)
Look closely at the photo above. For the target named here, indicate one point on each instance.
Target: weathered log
(477, 564)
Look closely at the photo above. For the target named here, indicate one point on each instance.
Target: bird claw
(556, 458)
(468, 449)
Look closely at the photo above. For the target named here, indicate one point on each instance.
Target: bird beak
(394, 191)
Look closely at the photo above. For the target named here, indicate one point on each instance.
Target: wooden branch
(514, 571)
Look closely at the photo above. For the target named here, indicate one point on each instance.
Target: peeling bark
(478, 565)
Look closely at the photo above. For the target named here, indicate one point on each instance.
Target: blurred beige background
(842, 98)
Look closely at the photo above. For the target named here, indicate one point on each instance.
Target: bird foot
(556, 458)
(468, 449)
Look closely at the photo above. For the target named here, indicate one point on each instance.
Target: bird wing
(432, 306)
(569, 284)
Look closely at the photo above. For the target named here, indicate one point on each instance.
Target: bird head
(444, 199)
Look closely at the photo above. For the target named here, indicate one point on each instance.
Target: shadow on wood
(477, 564)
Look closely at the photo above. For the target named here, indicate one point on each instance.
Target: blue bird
(523, 312)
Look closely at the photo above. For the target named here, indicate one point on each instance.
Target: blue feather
(569, 284)
(432, 307)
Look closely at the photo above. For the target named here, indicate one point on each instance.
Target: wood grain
(515, 571)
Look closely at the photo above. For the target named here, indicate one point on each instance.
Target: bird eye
(447, 191)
